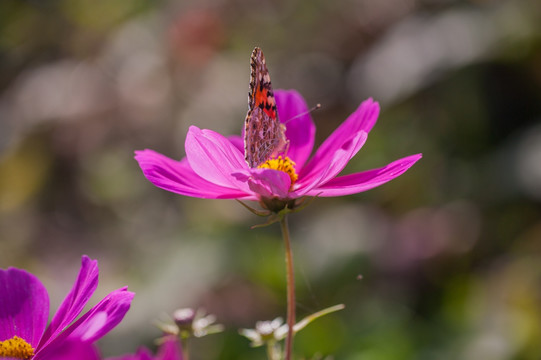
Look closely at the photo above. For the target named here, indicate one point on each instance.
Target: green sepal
(261, 213)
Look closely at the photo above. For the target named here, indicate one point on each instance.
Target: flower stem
(290, 288)
(184, 348)
(273, 351)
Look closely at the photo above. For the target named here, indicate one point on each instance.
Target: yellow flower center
(16, 348)
(284, 164)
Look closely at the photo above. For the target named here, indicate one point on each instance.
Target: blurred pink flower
(214, 166)
(170, 349)
(24, 311)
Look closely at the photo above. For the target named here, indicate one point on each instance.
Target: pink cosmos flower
(215, 168)
(24, 311)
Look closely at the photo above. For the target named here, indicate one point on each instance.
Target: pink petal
(70, 350)
(301, 130)
(142, 354)
(336, 164)
(24, 306)
(359, 182)
(362, 119)
(266, 182)
(178, 177)
(170, 349)
(214, 158)
(97, 322)
(103, 317)
(237, 141)
(75, 301)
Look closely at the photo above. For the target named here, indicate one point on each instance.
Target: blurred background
(449, 253)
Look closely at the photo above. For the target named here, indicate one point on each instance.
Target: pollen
(284, 164)
(17, 348)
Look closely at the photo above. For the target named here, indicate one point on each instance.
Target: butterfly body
(264, 135)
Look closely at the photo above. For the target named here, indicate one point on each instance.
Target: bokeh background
(449, 253)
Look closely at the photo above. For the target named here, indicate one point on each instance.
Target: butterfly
(264, 135)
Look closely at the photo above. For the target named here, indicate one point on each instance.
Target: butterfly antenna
(318, 106)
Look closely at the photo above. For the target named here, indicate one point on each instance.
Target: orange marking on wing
(270, 112)
(261, 97)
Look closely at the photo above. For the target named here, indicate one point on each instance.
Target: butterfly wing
(264, 135)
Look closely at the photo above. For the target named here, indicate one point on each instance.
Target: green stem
(185, 350)
(290, 288)
(273, 351)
